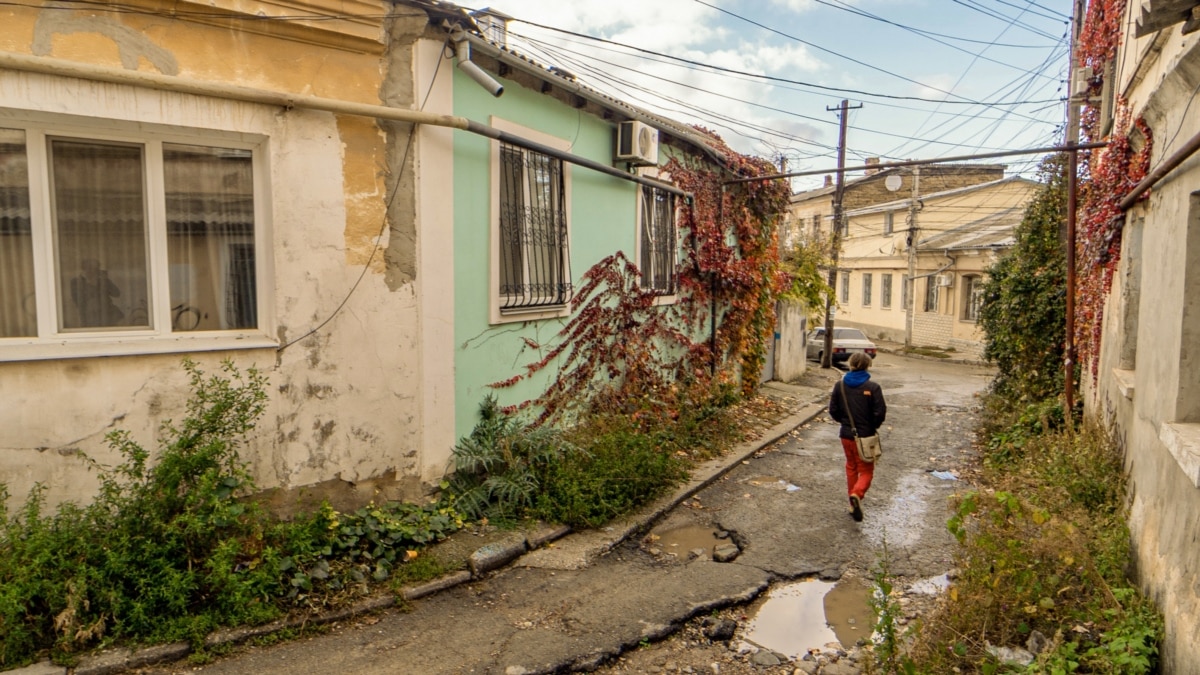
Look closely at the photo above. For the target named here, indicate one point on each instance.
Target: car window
(848, 334)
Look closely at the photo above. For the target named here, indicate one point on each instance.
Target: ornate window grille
(535, 269)
(657, 261)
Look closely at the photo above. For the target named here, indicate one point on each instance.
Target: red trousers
(858, 472)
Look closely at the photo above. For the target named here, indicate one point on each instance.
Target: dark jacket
(866, 404)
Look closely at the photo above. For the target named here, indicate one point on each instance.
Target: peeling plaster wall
(345, 404)
(1145, 384)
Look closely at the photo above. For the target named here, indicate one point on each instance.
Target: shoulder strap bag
(870, 448)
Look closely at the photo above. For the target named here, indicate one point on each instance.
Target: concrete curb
(484, 560)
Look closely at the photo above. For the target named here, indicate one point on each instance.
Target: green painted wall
(602, 221)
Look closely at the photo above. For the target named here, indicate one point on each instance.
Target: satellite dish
(893, 182)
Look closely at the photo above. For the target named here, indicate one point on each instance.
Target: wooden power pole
(838, 193)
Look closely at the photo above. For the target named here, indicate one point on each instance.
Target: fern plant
(498, 467)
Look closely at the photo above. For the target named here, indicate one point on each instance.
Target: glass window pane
(18, 310)
(99, 233)
(210, 237)
(512, 209)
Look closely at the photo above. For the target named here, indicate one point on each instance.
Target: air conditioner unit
(945, 280)
(637, 143)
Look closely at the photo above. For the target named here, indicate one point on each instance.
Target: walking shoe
(855, 509)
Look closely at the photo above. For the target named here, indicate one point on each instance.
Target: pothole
(811, 614)
(683, 541)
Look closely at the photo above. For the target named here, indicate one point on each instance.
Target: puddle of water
(847, 611)
(811, 614)
(680, 541)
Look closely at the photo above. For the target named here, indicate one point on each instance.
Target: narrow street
(785, 507)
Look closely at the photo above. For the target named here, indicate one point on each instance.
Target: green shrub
(1045, 548)
(175, 549)
(607, 465)
(498, 466)
(164, 552)
(623, 469)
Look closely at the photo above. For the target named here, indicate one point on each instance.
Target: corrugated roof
(996, 230)
(562, 79)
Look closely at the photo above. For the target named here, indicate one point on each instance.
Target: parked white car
(846, 341)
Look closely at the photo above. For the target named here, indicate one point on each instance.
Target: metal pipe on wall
(174, 84)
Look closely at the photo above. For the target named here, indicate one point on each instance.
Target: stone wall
(931, 329)
(933, 179)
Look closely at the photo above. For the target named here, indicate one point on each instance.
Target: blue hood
(855, 378)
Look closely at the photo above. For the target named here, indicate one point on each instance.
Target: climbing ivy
(622, 349)
(1106, 176)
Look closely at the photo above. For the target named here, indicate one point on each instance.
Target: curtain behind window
(18, 311)
(210, 237)
(100, 232)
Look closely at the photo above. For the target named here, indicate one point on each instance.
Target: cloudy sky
(935, 77)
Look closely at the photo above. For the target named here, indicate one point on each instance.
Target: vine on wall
(1107, 175)
(622, 351)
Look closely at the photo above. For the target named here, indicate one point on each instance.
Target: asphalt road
(524, 619)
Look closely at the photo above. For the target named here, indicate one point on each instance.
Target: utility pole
(838, 193)
(1072, 140)
(911, 283)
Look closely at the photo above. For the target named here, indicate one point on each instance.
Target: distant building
(927, 294)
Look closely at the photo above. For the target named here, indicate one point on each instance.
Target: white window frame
(867, 283)
(889, 223)
(967, 304)
(665, 298)
(885, 290)
(495, 314)
(844, 291)
(53, 343)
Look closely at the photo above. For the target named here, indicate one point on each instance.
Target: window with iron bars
(535, 268)
(657, 256)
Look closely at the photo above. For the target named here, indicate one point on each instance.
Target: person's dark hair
(859, 361)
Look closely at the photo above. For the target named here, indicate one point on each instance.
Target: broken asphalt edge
(484, 560)
(899, 351)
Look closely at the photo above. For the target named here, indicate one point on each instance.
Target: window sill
(1124, 380)
(531, 314)
(131, 346)
(1182, 440)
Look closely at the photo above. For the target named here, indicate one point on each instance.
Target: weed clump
(173, 549)
(1044, 560)
(609, 463)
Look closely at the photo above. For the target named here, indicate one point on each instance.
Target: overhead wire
(843, 5)
(605, 45)
(843, 56)
(772, 78)
(544, 45)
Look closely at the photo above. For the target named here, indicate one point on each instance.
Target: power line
(546, 46)
(842, 5)
(604, 45)
(840, 55)
(1001, 17)
(773, 78)
(1026, 8)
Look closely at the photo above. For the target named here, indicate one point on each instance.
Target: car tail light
(871, 353)
(839, 350)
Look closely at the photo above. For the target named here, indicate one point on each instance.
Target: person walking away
(855, 395)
